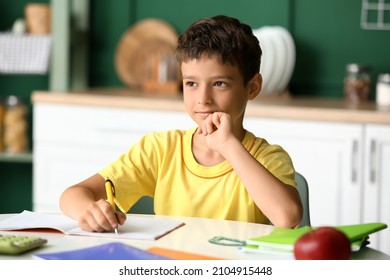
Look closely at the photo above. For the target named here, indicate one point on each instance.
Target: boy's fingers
(217, 119)
(210, 123)
(121, 217)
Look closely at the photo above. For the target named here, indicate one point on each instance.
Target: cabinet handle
(373, 149)
(354, 161)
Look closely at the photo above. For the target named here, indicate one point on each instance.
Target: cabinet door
(329, 156)
(105, 126)
(57, 167)
(73, 142)
(377, 183)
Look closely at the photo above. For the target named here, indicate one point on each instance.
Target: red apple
(323, 243)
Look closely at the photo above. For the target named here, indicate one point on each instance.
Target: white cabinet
(376, 191)
(74, 142)
(347, 167)
(328, 155)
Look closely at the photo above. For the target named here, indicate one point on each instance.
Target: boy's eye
(190, 84)
(220, 84)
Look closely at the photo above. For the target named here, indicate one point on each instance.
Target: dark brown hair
(224, 37)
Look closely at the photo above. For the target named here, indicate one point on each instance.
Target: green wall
(16, 187)
(327, 36)
(110, 21)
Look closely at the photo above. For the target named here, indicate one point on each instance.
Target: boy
(214, 170)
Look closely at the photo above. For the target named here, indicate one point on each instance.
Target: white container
(383, 90)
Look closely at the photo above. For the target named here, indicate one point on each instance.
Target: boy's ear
(255, 85)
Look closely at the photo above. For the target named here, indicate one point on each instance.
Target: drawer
(101, 125)
(58, 167)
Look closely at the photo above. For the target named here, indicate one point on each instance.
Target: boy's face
(209, 86)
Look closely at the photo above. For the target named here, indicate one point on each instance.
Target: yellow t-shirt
(162, 165)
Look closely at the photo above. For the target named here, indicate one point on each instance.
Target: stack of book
(282, 240)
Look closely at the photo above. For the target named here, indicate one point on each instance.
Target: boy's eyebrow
(225, 77)
(188, 77)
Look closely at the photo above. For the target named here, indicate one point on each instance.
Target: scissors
(226, 241)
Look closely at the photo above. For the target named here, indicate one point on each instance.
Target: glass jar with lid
(357, 83)
(15, 138)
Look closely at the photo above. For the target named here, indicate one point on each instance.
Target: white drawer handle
(354, 161)
(373, 151)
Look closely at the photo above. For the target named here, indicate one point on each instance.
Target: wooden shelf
(17, 158)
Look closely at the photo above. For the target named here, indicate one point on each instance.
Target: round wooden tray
(146, 38)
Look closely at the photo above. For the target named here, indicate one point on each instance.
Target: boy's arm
(86, 203)
(279, 202)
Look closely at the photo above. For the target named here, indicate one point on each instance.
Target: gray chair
(303, 189)
(145, 204)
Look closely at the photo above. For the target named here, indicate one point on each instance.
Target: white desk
(192, 237)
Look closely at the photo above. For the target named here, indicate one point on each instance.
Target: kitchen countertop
(284, 107)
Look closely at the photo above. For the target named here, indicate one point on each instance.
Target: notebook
(108, 251)
(282, 240)
(136, 227)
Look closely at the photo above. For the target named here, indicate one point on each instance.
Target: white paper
(135, 227)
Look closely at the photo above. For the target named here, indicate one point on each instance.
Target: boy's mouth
(204, 115)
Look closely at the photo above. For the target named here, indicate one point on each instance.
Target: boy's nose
(206, 101)
(203, 97)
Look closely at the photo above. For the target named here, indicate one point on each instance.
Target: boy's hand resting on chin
(218, 129)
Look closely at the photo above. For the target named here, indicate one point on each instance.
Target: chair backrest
(303, 189)
(143, 206)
